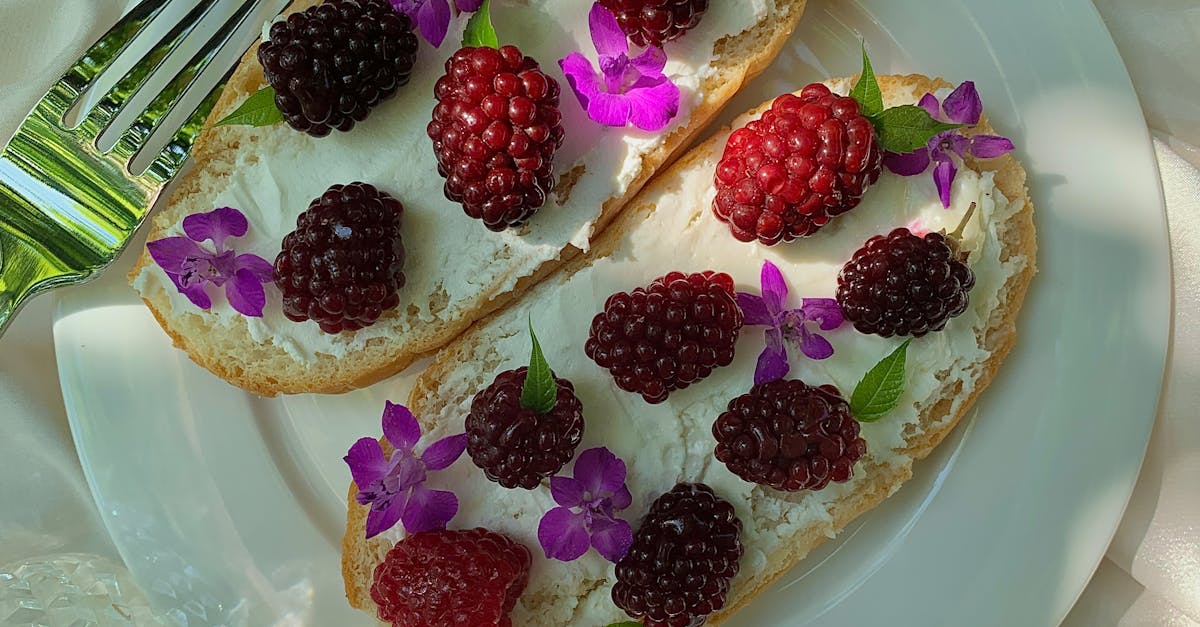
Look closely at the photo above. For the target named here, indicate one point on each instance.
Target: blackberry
(902, 284)
(789, 436)
(518, 447)
(808, 159)
(332, 63)
(495, 130)
(668, 335)
(683, 556)
(655, 22)
(461, 577)
(344, 263)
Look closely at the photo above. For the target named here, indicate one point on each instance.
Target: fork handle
(25, 272)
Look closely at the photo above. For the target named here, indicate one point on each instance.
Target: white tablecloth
(1151, 575)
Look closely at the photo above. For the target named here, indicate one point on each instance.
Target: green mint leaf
(906, 128)
(881, 388)
(258, 110)
(540, 391)
(866, 91)
(480, 32)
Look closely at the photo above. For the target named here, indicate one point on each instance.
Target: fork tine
(111, 105)
(168, 162)
(66, 92)
(142, 129)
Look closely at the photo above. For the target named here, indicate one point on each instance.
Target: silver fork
(67, 207)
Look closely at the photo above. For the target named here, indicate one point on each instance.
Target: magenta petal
(433, 20)
(754, 309)
(609, 109)
(428, 510)
(562, 534)
(814, 346)
(444, 452)
(774, 288)
(194, 293)
(651, 62)
(581, 76)
(929, 102)
(909, 163)
(468, 6)
(826, 311)
(943, 177)
(611, 537)
(366, 461)
(772, 362)
(567, 491)
(607, 35)
(245, 294)
(990, 146)
(171, 252)
(599, 472)
(963, 105)
(400, 426)
(216, 225)
(261, 268)
(621, 499)
(383, 518)
(652, 108)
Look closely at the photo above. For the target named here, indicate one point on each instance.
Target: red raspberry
(789, 436)
(666, 336)
(902, 284)
(685, 552)
(467, 578)
(808, 159)
(495, 130)
(344, 263)
(655, 22)
(516, 446)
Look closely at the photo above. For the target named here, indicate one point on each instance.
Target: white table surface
(45, 505)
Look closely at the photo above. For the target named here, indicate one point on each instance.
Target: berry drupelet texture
(789, 436)
(467, 578)
(495, 131)
(655, 22)
(685, 552)
(902, 284)
(332, 63)
(344, 263)
(808, 159)
(518, 447)
(666, 336)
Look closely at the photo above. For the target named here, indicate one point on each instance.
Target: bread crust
(1018, 239)
(268, 370)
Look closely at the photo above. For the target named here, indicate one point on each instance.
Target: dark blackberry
(789, 436)
(495, 130)
(901, 284)
(666, 336)
(684, 554)
(332, 63)
(808, 159)
(518, 447)
(344, 263)
(655, 22)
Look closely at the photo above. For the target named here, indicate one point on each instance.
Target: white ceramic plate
(229, 509)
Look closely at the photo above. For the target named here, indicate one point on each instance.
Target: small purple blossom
(586, 515)
(395, 488)
(191, 266)
(787, 324)
(962, 106)
(432, 17)
(630, 90)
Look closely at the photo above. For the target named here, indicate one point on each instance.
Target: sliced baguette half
(457, 271)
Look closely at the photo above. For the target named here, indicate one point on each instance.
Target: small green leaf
(866, 91)
(540, 391)
(906, 128)
(881, 388)
(480, 32)
(258, 110)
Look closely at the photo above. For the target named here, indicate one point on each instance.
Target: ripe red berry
(655, 22)
(901, 284)
(463, 577)
(344, 263)
(808, 159)
(495, 130)
(666, 336)
(518, 447)
(789, 436)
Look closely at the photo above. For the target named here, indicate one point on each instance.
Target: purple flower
(788, 324)
(192, 266)
(962, 106)
(586, 512)
(631, 90)
(432, 17)
(395, 488)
